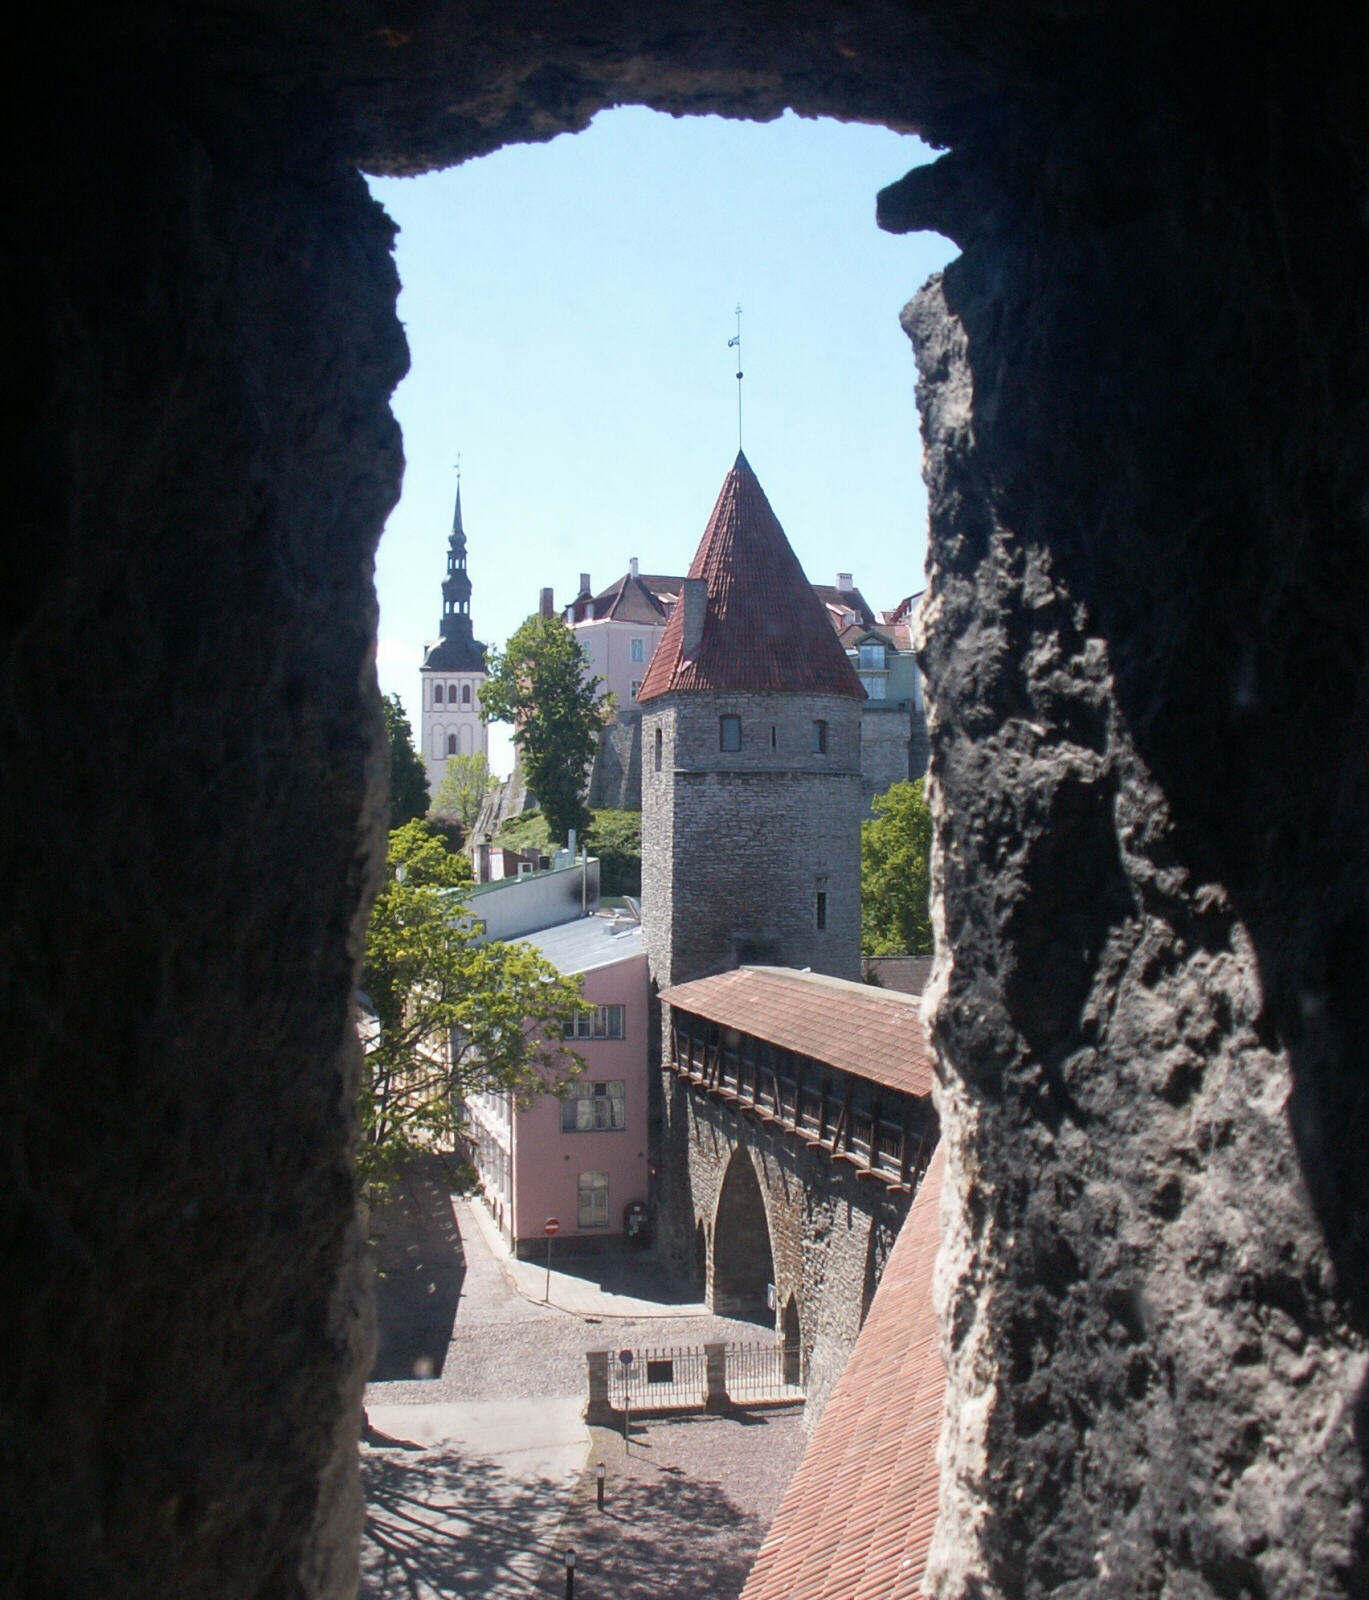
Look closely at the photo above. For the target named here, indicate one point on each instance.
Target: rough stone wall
(885, 751)
(191, 811)
(1146, 442)
(616, 777)
(830, 1232)
(752, 836)
(1146, 665)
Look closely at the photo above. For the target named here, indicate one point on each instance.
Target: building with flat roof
(580, 1156)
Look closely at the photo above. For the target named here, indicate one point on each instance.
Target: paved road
(477, 1467)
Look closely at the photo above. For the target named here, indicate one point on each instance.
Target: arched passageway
(791, 1336)
(743, 1262)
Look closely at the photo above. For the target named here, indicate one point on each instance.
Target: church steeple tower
(453, 669)
(456, 586)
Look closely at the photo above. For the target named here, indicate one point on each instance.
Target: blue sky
(568, 308)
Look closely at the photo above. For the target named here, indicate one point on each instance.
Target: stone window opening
(465, 694)
(820, 908)
(451, 744)
(660, 741)
(774, 737)
(819, 738)
(729, 733)
(437, 694)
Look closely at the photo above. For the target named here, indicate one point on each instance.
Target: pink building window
(594, 1107)
(593, 1197)
(604, 1022)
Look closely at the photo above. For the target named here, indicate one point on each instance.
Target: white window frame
(638, 650)
(594, 1106)
(604, 1022)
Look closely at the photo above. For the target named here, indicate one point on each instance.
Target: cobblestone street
(476, 1467)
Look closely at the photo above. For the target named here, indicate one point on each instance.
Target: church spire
(456, 586)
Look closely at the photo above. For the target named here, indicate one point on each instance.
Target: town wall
(616, 776)
(830, 1231)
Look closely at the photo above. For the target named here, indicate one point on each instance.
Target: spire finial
(735, 343)
(456, 515)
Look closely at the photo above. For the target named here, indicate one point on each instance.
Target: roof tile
(765, 627)
(857, 1518)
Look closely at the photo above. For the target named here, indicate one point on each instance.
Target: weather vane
(735, 343)
(458, 468)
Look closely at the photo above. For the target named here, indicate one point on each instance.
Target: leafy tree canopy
(895, 874)
(614, 836)
(466, 780)
(408, 780)
(455, 1016)
(540, 684)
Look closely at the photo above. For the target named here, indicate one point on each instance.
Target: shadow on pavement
(667, 1532)
(634, 1274)
(420, 1267)
(452, 1525)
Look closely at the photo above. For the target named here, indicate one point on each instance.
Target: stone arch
(743, 1257)
(701, 1255)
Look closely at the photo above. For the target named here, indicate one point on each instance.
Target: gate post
(715, 1378)
(598, 1410)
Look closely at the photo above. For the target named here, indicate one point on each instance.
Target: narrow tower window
(659, 742)
(729, 733)
(820, 908)
(774, 737)
(437, 694)
(451, 744)
(819, 738)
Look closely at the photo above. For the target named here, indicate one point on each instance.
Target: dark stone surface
(1146, 647)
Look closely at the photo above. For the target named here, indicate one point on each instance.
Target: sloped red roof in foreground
(765, 627)
(872, 1033)
(857, 1518)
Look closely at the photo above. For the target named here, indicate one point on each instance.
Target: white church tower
(453, 670)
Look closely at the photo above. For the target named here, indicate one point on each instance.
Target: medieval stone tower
(751, 799)
(453, 670)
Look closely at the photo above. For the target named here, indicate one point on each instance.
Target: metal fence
(764, 1372)
(668, 1377)
(676, 1377)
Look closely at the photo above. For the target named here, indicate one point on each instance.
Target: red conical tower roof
(764, 627)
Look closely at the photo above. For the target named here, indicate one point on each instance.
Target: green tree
(895, 874)
(616, 838)
(465, 783)
(539, 683)
(408, 780)
(455, 1016)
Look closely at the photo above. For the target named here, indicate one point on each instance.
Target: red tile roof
(855, 1027)
(765, 627)
(857, 1518)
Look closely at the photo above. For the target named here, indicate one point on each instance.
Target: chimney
(844, 584)
(584, 583)
(694, 597)
(545, 606)
(632, 568)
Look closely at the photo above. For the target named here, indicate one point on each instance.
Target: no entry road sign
(550, 1226)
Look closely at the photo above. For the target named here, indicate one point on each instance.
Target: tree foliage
(408, 780)
(616, 838)
(540, 684)
(466, 780)
(895, 874)
(455, 1016)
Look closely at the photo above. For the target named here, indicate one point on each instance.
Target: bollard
(570, 1574)
(599, 1484)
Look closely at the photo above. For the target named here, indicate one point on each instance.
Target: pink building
(580, 1156)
